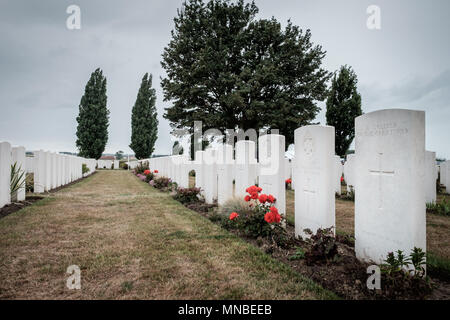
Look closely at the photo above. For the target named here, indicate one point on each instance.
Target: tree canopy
(93, 118)
(230, 70)
(343, 106)
(144, 122)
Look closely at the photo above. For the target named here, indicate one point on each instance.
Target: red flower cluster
(234, 215)
(272, 216)
(266, 198)
(147, 172)
(342, 179)
(253, 193)
(289, 181)
(265, 202)
(156, 171)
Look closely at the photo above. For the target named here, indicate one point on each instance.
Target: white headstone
(338, 174)
(271, 149)
(225, 166)
(389, 172)
(210, 177)
(199, 170)
(40, 174)
(349, 171)
(5, 173)
(48, 171)
(446, 181)
(116, 164)
(18, 157)
(245, 175)
(315, 178)
(430, 177)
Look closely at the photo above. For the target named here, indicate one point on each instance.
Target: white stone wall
(51, 170)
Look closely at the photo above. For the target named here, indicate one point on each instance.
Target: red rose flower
(268, 217)
(156, 171)
(234, 215)
(272, 216)
(254, 195)
(247, 198)
(342, 179)
(271, 198)
(263, 198)
(288, 181)
(253, 189)
(147, 172)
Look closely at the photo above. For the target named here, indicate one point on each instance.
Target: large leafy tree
(144, 122)
(343, 106)
(93, 118)
(230, 70)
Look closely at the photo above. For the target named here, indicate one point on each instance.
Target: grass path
(133, 242)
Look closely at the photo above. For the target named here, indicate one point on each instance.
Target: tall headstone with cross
(389, 173)
(5, 173)
(271, 149)
(431, 176)
(245, 164)
(315, 178)
(225, 165)
(18, 157)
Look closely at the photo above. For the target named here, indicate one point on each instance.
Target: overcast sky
(44, 66)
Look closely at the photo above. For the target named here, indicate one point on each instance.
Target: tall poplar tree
(343, 106)
(144, 122)
(93, 118)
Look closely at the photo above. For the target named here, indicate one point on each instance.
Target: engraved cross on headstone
(380, 173)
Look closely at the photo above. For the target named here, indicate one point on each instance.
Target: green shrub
(442, 208)
(187, 195)
(323, 246)
(160, 182)
(149, 177)
(29, 182)
(141, 167)
(84, 168)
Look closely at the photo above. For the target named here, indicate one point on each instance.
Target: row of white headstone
(392, 175)
(51, 170)
(108, 164)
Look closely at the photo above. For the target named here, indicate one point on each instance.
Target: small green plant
(17, 179)
(141, 167)
(298, 255)
(84, 168)
(323, 246)
(187, 195)
(442, 208)
(160, 183)
(398, 263)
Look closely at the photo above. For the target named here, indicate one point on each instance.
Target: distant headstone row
(51, 170)
(391, 173)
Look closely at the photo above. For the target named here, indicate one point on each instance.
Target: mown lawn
(133, 242)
